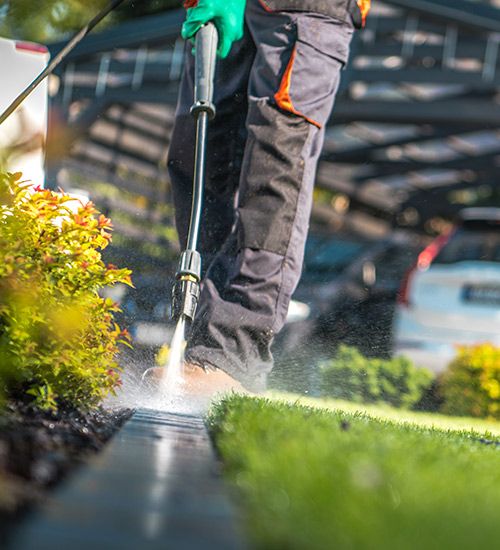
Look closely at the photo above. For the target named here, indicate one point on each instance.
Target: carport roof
(414, 135)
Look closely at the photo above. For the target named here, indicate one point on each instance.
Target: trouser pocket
(310, 79)
(273, 169)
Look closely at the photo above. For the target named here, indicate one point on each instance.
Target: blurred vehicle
(22, 135)
(361, 312)
(452, 294)
(347, 294)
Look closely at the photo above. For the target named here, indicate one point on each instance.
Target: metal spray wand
(186, 289)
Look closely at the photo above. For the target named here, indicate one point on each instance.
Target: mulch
(39, 448)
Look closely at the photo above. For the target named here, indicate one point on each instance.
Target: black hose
(77, 38)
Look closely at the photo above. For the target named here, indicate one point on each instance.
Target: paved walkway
(155, 485)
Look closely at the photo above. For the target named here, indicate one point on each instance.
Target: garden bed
(37, 449)
(316, 478)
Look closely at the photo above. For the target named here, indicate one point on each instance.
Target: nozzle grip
(204, 72)
(190, 264)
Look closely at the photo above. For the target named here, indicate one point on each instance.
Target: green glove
(227, 16)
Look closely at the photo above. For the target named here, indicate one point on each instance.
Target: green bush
(354, 377)
(58, 338)
(471, 384)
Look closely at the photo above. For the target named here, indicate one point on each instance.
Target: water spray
(186, 290)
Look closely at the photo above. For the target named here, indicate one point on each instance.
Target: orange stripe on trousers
(364, 8)
(282, 96)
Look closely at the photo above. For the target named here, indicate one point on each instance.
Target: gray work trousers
(273, 94)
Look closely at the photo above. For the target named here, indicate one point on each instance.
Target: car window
(465, 245)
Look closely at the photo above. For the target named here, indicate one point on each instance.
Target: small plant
(58, 338)
(471, 385)
(354, 377)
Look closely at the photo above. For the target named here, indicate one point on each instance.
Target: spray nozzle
(186, 291)
(185, 298)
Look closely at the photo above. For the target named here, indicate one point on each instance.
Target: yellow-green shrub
(58, 338)
(471, 384)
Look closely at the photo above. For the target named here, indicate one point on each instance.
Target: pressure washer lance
(186, 290)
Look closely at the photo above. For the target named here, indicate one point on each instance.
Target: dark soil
(38, 448)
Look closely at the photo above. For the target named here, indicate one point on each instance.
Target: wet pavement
(155, 485)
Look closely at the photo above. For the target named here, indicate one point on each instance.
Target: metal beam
(472, 79)
(136, 129)
(153, 69)
(390, 24)
(121, 151)
(152, 29)
(458, 113)
(86, 75)
(150, 94)
(467, 48)
(365, 153)
(487, 162)
(476, 15)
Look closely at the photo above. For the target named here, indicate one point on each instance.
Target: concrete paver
(155, 485)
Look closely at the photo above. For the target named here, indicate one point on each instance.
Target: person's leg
(247, 290)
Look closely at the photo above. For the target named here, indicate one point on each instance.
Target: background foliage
(471, 385)
(50, 20)
(58, 338)
(350, 375)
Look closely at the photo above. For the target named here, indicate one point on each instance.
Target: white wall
(22, 136)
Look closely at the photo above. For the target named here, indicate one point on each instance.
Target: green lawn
(318, 478)
(400, 416)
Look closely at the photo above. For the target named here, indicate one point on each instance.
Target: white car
(452, 294)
